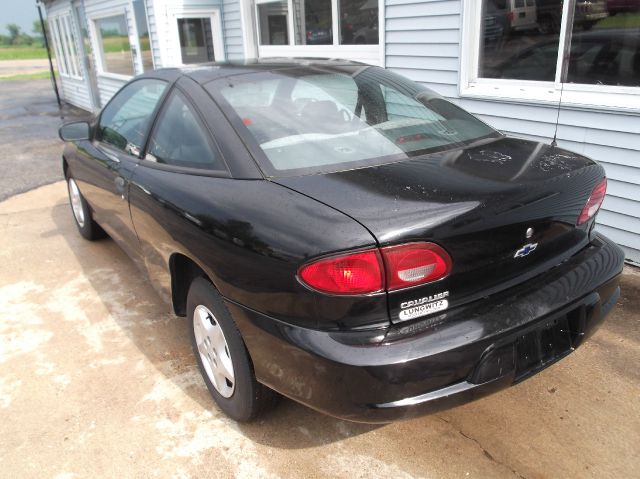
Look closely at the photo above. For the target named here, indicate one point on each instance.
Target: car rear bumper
(444, 360)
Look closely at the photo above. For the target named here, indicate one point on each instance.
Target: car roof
(206, 72)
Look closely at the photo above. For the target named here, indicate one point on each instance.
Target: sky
(22, 12)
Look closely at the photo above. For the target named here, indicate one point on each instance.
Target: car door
(181, 166)
(119, 137)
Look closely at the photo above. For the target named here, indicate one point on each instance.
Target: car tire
(222, 356)
(88, 228)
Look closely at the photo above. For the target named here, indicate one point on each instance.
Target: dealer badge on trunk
(424, 306)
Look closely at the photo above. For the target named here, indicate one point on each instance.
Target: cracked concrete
(97, 379)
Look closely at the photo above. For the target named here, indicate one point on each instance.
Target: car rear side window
(125, 121)
(180, 139)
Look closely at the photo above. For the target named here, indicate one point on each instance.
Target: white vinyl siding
(232, 29)
(74, 88)
(424, 43)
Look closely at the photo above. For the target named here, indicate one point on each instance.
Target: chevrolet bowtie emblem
(526, 250)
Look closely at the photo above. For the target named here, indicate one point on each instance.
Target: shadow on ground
(305, 427)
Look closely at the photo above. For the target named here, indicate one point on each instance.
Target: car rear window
(309, 121)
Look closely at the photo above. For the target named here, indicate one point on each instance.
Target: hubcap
(213, 350)
(76, 202)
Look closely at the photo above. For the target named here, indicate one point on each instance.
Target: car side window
(125, 121)
(180, 139)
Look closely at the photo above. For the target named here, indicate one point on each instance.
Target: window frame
(214, 16)
(138, 36)
(164, 105)
(581, 96)
(97, 41)
(64, 33)
(334, 50)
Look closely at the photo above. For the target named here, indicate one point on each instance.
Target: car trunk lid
(504, 211)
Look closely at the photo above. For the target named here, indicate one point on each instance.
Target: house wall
(109, 84)
(161, 14)
(75, 91)
(162, 33)
(424, 40)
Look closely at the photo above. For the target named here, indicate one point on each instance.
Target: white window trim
(95, 38)
(135, 29)
(60, 23)
(214, 16)
(579, 96)
(336, 50)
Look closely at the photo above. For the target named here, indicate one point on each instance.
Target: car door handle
(111, 156)
(120, 185)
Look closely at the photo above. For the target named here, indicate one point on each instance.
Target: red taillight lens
(594, 202)
(354, 273)
(414, 263)
(367, 272)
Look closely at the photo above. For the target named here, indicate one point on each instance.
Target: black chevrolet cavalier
(344, 236)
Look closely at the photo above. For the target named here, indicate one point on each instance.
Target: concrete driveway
(97, 380)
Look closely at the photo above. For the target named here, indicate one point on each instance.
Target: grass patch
(28, 76)
(22, 52)
(621, 20)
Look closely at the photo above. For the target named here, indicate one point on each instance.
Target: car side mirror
(76, 131)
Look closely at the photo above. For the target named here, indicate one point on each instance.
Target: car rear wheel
(222, 356)
(87, 227)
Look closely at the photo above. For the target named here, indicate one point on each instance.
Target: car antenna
(555, 133)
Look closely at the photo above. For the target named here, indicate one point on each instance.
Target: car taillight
(594, 202)
(374, 270)
(354, 273)
(414, 263)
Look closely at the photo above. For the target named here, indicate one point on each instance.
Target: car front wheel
(87, 227)
(222, 356)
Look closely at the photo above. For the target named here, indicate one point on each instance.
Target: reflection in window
(125, 120)
(605, 49)
(358, 22)
(272, 19)
(196, 40)
(180, 139)
(519, 39)
(143, 34)
(312, 20)
(114, 45)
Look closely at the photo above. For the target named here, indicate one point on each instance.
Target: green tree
(37, 30)
(14, 31)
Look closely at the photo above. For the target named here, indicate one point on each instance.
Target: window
(143, 35)
(65, 46)
(313, 23)
(358, 22)
(577, 43)
(316, 22)
(272, 20)
(330, 122)
(196, 40)
(179, 139)
(126, 119)
(115, 49)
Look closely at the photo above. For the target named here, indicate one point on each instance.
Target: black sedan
(343, 236)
